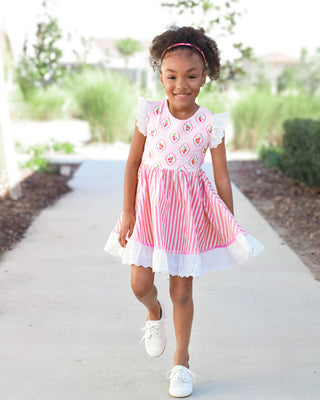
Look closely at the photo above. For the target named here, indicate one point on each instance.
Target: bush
(107, 101)
(38, 161)
(259, 116)
(301, 151)
(43, 104)
(213, 99)
(64, 147)
(26, 75)
(47, 104)
(271, 155)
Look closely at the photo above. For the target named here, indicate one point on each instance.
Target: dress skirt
(182, 226)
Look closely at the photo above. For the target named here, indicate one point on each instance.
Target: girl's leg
(145, 291)
(181, 295)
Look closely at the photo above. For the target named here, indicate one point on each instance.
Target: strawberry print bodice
(178, 144)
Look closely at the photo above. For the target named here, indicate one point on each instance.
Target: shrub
(271, 155)
(64, 147)
(301, 151)
(215, 100)
(258, 116)
(26, 75)
(107, 101)
(38, 161)
(43, 104)
(48, 103)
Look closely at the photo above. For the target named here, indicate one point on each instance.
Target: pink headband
(184, 44)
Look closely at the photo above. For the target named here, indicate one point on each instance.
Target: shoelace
(151, 329)
(180, 374)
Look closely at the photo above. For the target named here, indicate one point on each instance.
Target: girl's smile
(182, 74)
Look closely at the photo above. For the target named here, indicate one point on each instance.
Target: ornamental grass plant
(258, 116)
(107, 101)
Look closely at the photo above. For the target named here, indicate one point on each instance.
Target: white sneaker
(180, 381)
(154, 336)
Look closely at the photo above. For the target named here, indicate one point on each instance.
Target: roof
(280, 59)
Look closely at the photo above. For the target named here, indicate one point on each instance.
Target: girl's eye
(171, 77)
(192, 77)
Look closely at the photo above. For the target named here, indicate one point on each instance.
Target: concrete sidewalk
(70, 325)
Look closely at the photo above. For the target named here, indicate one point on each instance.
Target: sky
(283, 26)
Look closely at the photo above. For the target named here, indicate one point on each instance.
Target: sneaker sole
(180, 397)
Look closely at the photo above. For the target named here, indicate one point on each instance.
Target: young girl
(173, 220)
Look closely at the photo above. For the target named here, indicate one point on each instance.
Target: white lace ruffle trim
(185, 265)
(141, 116)
(219, 125)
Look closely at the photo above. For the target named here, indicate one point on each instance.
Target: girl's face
(182, 74)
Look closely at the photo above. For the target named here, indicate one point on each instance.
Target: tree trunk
(8, 162)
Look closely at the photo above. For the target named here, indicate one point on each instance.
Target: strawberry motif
(204, 150)
(200, 118)
(184, 149)
(187, 127)
(158, 165)
(161, 145)
(150, 154)
(193, 161)
(171, 159)
(165, 123)
(210, 129)
(175, 137)
(153, 132)
(156, 110)
(198, 139)
(182, 169)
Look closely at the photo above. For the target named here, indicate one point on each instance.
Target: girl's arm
(221, 175)
(130, 185)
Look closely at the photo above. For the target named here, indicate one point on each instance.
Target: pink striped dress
(182, 225)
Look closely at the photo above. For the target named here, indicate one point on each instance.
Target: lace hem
(219, 125)
(142, 111)
(185, 265)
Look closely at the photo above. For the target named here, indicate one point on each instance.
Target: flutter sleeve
(142, 115)
(217, 128)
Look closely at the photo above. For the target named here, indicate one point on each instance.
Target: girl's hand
(126, 230)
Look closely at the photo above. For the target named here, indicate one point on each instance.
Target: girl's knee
(181, 290)
(141, 289)
(141, 281)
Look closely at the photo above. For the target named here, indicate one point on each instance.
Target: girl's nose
(181, 83)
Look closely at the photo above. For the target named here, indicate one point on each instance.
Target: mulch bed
(39, 190)
(292, 209)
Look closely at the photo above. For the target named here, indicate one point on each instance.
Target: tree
(226, 15)
(127, 47)
(39, 65)
(47, 52)
(6, 51)
(8, 162)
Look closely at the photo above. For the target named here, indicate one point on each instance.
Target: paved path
(70, 326)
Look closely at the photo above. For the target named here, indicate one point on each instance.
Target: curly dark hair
(190, 35)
